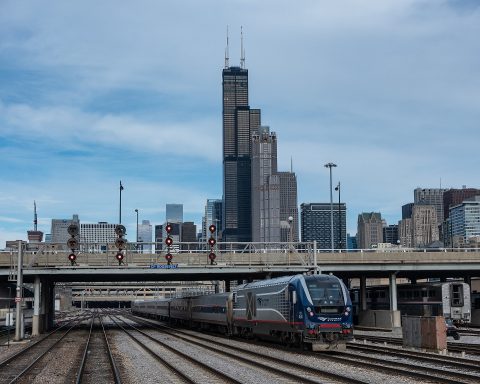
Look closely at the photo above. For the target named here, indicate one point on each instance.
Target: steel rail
(299, 366)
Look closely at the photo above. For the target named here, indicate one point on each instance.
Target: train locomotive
(309, 311)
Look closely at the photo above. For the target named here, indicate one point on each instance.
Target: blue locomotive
(313, 311)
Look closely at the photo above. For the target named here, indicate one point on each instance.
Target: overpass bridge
(49, 265)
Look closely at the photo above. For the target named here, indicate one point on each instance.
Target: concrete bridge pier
(395, 313)
(43, 310)
(36, 327)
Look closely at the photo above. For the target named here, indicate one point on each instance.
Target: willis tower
(239, 123)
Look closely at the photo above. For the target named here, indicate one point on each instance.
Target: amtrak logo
(329, 318)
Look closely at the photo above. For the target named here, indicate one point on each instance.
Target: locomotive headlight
(347, 309)
(311, 314)
(309, 309)
(346, 313)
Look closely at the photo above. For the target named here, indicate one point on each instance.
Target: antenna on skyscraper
(242, 51)
(291, 164)
(226, 52)
(35, 221)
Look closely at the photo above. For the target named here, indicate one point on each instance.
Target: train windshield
(325, 293)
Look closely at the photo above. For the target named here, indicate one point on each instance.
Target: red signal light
(168, 257)
(168, 241)
(168, 228)
(212, 228)
(119, 256)
(211, 241)
(72, 257)
(212, 256)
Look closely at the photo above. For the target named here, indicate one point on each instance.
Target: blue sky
(96, 92)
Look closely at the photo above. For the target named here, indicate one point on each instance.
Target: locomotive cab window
(327, 296)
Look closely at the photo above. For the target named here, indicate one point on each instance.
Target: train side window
(424, 293)
(416, 294)
(401, 294)
(431, 293)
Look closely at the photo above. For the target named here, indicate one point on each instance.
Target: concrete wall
(379, 319)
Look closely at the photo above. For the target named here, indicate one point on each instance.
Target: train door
(456, 295)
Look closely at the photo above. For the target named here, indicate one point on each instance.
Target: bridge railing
(227, 254)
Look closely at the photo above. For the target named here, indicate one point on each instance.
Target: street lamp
(337, 188)
(136, 211)
(330, 166)
(9, 316)
(120, 208)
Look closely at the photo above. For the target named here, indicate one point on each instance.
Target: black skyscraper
(239, 122)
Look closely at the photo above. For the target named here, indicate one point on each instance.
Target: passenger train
(312, 311)
(450, 300)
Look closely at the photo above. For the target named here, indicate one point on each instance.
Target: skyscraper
(431, 196)
(265, 187)
(315, 219)
(174, 213)
(369, 229)
(239, 122)
(288, 207)
(145, 235)
(213, 215)
(424, 225)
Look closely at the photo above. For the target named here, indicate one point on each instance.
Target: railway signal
(120, 242)
(72, 243)
(211, 242)
(168, 243)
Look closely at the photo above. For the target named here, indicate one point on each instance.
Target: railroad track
(437, 375)
(23, 363)
(97, 364)
(473, 349)
(286, 370)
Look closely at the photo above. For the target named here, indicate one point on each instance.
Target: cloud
(95, 92)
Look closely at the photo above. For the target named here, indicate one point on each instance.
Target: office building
(351, 241)
(424, 225)
(405, 233)
(145, 236)
(158, 238)
(454, 197)
(433, 197)
(288, 207)
(213, 215)
(239, 123)
(369, 229)
(465, 223)
(97, 237)
(407, 211)
(390, 234)
(265, 187)
(174, 213)
(189, 235)
(316, 224)
(59, 229)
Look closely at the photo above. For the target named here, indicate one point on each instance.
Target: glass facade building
(239, 122)
(315, 220)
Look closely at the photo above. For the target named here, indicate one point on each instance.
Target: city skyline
(388, 91)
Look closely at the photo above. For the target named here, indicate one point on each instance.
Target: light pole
(120, 210)
(337, 188)
(136, 211)
(330, 166)
(9, 316)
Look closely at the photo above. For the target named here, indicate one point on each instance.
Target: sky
(92, 93)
